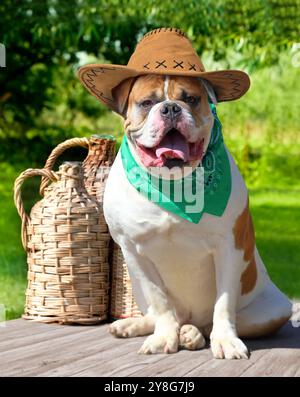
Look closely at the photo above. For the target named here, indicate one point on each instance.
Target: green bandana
(206, 189)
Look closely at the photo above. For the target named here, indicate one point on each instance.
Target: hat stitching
(89, 76)
(158, 30)
(236, 85)
(93, 73)
(146, 65)
(91, 85)
(178, 63)
(234, 81)
(162, 63)
(192, 66)
(99, 94)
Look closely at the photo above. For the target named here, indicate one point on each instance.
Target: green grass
(276, 215)
(12, 257)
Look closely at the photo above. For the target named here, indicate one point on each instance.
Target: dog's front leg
(224, 340)
(161, 311)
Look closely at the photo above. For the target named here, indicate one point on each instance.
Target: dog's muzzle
(170, 110)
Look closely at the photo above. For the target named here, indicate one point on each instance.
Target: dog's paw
(191, 338)
(228, 347)
(160, 344)
(126, 328)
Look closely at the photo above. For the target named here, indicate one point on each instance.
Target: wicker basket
(67, 249)
(97, 165)
(101, 153)
(122, 303)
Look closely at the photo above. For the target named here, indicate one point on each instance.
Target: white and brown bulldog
(191, 280)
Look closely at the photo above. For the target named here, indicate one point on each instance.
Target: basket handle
(48, 175)
(56, 152)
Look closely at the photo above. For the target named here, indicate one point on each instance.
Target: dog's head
(167, 118)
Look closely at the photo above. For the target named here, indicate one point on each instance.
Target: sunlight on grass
(276, 216)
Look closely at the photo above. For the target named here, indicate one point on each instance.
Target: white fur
(166, 87)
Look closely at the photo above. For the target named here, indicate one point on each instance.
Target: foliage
(52, 37)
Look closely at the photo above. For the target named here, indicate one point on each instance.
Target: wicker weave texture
(97, 165)
(67, 250)
(122, 303)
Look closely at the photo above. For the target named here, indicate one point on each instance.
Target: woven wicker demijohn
(96, 169)
(101, 154)
(68, 273)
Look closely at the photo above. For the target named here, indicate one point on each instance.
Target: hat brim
(101, 79)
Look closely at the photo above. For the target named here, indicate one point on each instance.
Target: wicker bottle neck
(69, 182)
(101, 152)
(71, 175)
(100, 156)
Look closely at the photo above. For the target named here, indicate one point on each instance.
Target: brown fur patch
(245, 240)
(146, 86)
(150, 85)
(121, 93)
(194, 88)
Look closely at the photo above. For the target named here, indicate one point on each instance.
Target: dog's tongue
(173, 145)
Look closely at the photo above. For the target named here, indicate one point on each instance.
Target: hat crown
(165, 50)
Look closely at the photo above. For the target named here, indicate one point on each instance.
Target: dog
(187, 278)
(191, 280)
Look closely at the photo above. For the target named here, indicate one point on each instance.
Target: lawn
(276, 215)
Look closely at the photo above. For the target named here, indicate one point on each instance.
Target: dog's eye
(147, 103)
(192, 100)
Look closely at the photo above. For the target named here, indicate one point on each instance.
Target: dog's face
(168, 120)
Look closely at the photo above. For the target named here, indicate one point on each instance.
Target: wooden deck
(36, 349)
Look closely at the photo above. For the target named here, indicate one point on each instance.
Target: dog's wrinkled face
(168, 120)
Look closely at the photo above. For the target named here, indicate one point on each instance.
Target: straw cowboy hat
(165, 51)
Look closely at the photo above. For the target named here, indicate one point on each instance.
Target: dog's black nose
(170, 110)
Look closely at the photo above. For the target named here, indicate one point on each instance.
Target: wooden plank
(102, 360)
(31, 336)
(26, 358)
(223, 368)
(134, 363)
(23, 328)
(128, 360)
(71, 360)
(276, 362)
(298, 372)
(175, 364)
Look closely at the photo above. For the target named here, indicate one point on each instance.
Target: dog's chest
(185, 265)
(180, 250)
(130, 215)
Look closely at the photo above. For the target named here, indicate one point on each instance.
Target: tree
(44, 40)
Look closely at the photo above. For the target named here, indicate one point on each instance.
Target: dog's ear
(210, 91)
(120, 95)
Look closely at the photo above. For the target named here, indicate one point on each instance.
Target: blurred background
(42, 103)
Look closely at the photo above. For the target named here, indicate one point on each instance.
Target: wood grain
(36, 349)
